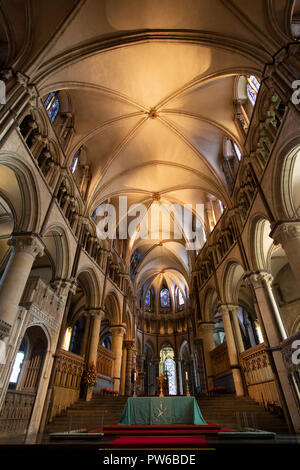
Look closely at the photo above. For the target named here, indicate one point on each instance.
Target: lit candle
(134, 376)
(186, 376)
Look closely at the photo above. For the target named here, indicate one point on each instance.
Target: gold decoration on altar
(160, 381)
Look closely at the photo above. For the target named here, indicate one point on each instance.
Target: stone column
(96, 315)
(85, 335)
(232, 351)
(130, 347)
(206, 333)
(236, 324)
(288, 235)
(274, 333)
(262, 283)
(26, 246)
(124, 371)
(117, 332)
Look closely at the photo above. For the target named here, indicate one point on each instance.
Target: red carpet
(151, 442)
(162, 430)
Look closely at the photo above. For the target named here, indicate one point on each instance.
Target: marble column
(96, 316)
(117, 332)
(206, 333)
(232, 350)
(26, 246)
(274, 334)
(124, 371)
(288, 235)
(130, 347)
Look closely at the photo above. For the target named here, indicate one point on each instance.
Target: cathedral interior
(113, 114)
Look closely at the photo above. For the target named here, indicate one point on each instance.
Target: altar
(162, 410)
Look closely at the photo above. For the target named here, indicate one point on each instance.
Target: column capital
(63, 286)
(129, 344)
(258, 278)
(283, 232)
(224, 309)
(118, 330)
(96, 312)
(27, 242)
(205, 326)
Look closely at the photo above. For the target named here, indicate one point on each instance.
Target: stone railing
(16, 412)
(68, 375)
(259, 376)
(105, 361)
(41, 294)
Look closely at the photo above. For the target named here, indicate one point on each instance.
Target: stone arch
(231, 282)
(261, 244)
(210, 303)
(112, 308)
(20, 188)
(89, 281)
(57, 245)
(286, 177)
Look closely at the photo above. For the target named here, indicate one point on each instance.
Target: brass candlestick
(160, 380)
(187, 388)
(134, 389)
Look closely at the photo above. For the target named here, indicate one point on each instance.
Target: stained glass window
(148, 299)
(253, 86)
(164, 298)
(170, 370)
(52, 106)
(74, 162)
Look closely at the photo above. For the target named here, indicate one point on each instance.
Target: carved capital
(118, 330)
(63, 286)
(205, 326)
(286, 231)
(97, 312)
(27, 242)
(129, 344)
(259, 278)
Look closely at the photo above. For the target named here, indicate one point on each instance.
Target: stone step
(220, 409)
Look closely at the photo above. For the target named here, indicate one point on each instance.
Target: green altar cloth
(162, 410)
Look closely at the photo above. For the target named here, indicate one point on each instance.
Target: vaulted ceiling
(151, 89)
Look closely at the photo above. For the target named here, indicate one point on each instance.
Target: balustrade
(105, 361)
(259, 376)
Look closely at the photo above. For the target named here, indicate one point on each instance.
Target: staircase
(223, 409)
(220, 410)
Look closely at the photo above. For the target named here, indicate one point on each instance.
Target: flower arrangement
(90, 378)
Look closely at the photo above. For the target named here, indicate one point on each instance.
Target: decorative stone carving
(4, 329)
(285, 232)
(28, 242)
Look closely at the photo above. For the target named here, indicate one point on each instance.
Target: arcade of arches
(173, 103)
